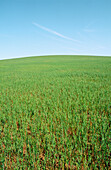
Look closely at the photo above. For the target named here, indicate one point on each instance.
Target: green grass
(55, 112)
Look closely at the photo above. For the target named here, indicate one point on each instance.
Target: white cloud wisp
(55, 33)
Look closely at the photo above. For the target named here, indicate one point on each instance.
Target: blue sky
(42, 27)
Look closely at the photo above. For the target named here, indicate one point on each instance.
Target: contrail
(55, 33)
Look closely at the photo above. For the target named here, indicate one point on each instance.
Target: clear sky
(42, 27)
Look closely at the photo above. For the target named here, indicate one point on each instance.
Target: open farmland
(55, 112)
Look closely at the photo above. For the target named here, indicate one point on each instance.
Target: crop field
(55, 112)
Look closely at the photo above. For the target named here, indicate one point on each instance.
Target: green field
(55, 112)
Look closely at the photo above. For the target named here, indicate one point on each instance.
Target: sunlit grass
(55, 112)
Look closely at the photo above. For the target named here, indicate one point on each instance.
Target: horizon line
(46, 55)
